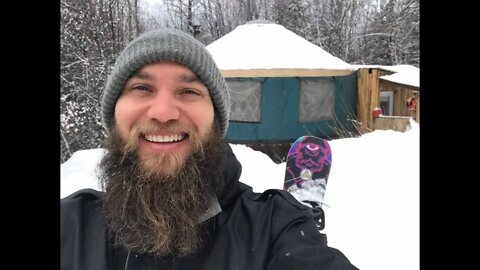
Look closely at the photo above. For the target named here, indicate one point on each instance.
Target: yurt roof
(265, 49)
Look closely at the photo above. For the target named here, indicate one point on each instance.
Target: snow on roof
(404, 74)
(261, 45)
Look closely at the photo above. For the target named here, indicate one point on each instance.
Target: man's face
(164, 113)
(164, 161)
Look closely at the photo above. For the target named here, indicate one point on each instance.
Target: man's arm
(298, 244)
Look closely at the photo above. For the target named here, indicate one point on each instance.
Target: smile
(165, 139)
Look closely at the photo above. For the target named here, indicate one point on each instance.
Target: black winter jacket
(252, 232)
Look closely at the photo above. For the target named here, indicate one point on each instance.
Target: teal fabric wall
(279, 112)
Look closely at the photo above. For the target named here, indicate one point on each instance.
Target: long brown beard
(158, 213)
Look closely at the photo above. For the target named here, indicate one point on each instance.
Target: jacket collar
(231, 172)
(232, 188)
(212, 211)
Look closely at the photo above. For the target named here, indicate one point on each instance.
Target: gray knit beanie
(166, 44)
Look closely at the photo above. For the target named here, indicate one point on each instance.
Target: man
(172, 197)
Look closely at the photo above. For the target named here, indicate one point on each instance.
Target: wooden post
(368, 96)
(374, 94)
(417, 113)
(363, 98)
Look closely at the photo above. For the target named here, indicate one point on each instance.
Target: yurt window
(386, 102)
(245, 98)
(317, 100)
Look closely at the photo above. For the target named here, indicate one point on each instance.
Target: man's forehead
(187, 75)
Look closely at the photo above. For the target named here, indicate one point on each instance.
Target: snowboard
(307, 169)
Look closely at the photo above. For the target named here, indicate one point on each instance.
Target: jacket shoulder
(280, 208)
(80, 208)
(280, 196)
(82, 231)
(83, 194)
(298, 244)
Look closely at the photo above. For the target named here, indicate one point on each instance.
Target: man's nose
(164, 107)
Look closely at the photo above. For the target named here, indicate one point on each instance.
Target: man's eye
(141, 88)
(190, 92)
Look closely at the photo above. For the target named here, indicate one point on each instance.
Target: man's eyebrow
(190, 78)
(142, 75)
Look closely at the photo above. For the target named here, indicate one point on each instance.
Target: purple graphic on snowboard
(308, 166)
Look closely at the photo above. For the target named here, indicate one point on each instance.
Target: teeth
(164, 139)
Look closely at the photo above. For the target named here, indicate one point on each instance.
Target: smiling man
(172, 199)
(164, 112)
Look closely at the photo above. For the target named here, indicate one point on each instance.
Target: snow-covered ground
(372, 194)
